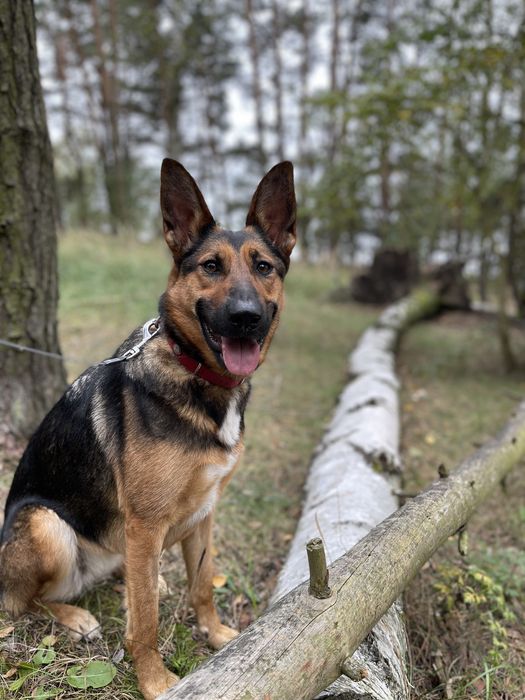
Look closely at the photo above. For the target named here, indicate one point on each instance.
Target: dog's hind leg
(39, 566)
(196, 549)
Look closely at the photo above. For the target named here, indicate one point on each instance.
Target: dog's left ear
(273, 207)
(184, 211)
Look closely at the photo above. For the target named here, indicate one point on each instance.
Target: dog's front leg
(196, 549)
(143, 548)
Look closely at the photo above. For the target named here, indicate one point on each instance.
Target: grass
(465, 617)
(108, 287)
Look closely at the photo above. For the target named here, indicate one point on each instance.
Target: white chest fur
(230, 429)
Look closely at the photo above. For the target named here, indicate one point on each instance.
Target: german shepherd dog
(134, 456)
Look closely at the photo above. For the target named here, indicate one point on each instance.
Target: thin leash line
(46, 353)
(68, 358)
(146, 335)
(36, 351)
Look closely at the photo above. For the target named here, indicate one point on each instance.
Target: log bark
(298, 646)
(29, 383)
(351, 487)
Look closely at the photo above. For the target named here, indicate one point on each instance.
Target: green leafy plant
(44, 655)
(474, 587)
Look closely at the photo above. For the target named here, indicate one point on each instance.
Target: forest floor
(465, 616)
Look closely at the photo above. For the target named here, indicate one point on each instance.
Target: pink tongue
(241, 355)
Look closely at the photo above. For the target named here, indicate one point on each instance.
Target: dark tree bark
(256, 86)
(29, 383)
(277, 79)
(516, 227)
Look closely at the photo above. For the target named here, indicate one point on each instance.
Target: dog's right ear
(184, 211)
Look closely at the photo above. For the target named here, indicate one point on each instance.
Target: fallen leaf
(44, 656)
(10, 673)
(219, 580)
(419, 394)
(430, 439)
(287, 536)
(238, 601)
(6, 631)
(25, 670)
(44, 694)
(49, 641)
(214, 551)
(118, 656)
(96, 674)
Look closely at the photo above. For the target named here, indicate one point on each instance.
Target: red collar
(200, 370)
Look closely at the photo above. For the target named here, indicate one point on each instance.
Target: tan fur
(182, 294)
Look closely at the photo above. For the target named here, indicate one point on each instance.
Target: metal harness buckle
(136, 349)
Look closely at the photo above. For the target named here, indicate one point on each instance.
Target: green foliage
(44, 655)
(430, 133)
(475, 588)
(186, 657)
(507, 567)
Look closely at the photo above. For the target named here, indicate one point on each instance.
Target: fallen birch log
(351, 488)
(299, 646)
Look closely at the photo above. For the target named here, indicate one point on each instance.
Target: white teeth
(213, 336)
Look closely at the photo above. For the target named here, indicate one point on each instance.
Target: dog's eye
(211, 266)
(264, 267)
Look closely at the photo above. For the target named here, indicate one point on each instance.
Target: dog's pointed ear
(184, 211)
(273, 207)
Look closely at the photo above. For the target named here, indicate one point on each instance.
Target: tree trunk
(299, 646)
(507, 355)
(335, 57)
(516, 229)
(112, 151)
(29, 383)
(256, 80)
(305, 30)
(277, 79)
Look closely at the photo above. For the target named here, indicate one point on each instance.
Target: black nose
(244, 312)
(245, 316)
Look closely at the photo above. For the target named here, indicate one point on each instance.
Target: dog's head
(225, 291)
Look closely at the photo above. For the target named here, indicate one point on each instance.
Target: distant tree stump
(391, 276)
(451, 286)
(394, 273)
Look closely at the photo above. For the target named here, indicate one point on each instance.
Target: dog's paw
(81, 624)
(219, 636)
(152, 688)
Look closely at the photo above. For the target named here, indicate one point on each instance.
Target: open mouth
(240, 355)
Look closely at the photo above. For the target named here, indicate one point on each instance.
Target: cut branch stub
(318, 587)
(354, 670)
(463, 541)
